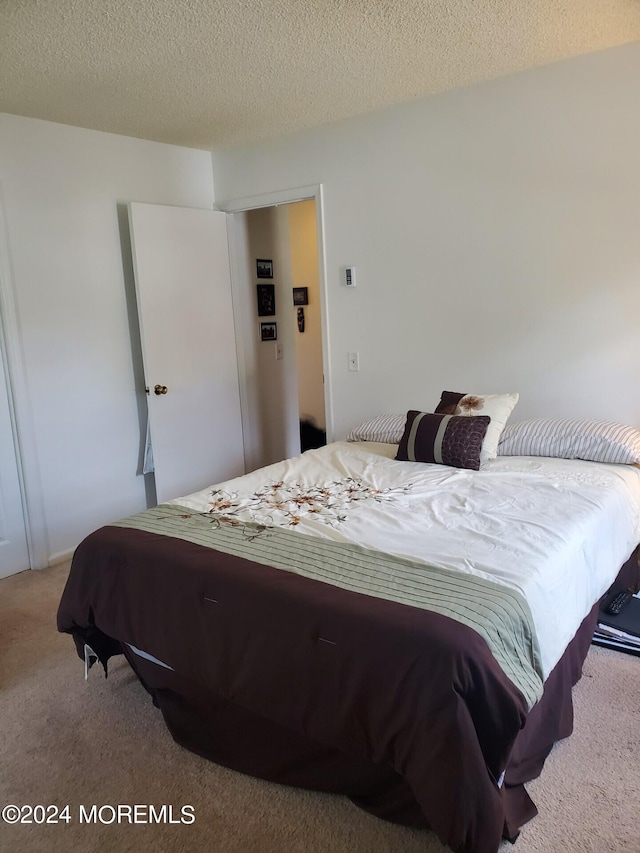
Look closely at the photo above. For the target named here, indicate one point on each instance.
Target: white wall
(62, 186)
(494, 230)
(495, 233)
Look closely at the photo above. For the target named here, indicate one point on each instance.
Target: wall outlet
(354, 361)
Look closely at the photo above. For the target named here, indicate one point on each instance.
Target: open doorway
(275, 257)
(305, 281)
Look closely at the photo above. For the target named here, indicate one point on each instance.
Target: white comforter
(557, 530)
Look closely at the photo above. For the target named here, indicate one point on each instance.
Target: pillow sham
(572, 438)
(443, 439)
(385, 428)
(496, 406)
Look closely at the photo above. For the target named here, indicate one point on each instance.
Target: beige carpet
(102, 742)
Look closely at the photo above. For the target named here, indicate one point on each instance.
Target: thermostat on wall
(350, 276)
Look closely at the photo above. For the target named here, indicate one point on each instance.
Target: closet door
(183, 288)
(14, 556)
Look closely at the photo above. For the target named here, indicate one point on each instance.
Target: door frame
(20, 410)
(273, 199)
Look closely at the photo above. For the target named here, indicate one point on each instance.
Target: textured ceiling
(205, 73)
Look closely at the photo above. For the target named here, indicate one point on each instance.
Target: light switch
(278, 350)
(354, 361)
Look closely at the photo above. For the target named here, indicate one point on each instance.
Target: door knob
(160, 389)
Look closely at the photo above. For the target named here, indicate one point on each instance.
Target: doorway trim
(20, 410)
(273, 199)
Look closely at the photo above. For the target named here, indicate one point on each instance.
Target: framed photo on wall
(266, 300)
(264, 268)
(300, 295)
(268, 331)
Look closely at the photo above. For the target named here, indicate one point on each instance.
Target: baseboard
(60, 557)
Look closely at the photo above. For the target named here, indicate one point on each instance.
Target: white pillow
(385, 428)
(572, 438)
(497, 406)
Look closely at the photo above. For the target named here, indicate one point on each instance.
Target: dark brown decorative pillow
(453, 440)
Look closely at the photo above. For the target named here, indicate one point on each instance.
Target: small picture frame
(266, 294)
(264, 268)
(300, 295)
(268, 331)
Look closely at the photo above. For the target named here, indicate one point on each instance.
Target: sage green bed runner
(500, 615)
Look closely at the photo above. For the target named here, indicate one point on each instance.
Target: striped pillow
(572, 438)
(453, 440)
(385, 428)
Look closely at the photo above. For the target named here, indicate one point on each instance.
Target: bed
(402, 632)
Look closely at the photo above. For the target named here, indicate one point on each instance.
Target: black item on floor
(628, 620)
(619, 631)
(311, 436)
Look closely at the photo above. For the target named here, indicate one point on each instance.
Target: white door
(183, 288)
(14, 556)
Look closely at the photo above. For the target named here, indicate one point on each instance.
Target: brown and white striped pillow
(572, 438)
(452, 440)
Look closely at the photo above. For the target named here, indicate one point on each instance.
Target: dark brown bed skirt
(237, 738)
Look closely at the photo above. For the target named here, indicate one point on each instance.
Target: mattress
(555, 530)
